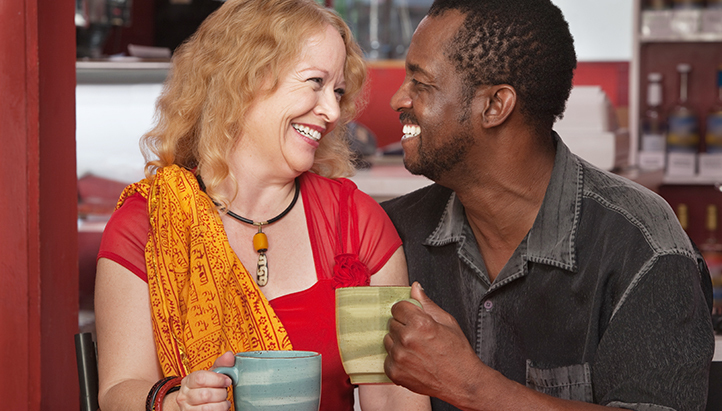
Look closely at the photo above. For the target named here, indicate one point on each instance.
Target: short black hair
(523, 43)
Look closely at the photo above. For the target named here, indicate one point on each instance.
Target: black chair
(714, 396)
(85, 355)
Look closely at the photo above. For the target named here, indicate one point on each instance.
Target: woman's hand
(206, 389)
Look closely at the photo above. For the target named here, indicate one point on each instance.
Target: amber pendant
(262, 269)
(260, 243)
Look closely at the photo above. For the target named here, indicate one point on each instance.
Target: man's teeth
(308, 132)
(411, 130)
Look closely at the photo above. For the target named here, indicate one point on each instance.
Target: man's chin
(417, 169)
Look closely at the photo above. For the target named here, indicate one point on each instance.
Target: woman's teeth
(411, 130)
(314, 135)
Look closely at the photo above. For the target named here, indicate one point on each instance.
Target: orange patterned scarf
(203, 301)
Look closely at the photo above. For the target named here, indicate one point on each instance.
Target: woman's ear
(499, 102)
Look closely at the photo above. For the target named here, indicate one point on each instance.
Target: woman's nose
(328, 106)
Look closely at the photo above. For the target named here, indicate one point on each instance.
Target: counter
(388, 179)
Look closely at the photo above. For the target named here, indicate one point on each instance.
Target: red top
(308, 315)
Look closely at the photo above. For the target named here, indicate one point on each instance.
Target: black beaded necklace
(260, 240)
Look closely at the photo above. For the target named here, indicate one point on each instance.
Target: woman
(240, 244)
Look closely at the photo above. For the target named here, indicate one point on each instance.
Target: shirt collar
(551, 239)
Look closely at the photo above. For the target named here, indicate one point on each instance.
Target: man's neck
(502, 197)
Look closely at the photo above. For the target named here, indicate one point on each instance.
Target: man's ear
(499, 102)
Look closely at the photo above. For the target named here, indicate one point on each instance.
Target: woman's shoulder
(327, 188)
(334, 189)
(131, 214)
(335, 184)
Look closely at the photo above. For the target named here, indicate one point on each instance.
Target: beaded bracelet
(153, 393)
(168, 387)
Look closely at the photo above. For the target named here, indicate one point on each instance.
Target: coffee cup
(275, 380)
(362, 317)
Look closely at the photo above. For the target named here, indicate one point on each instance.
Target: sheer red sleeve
(351, 235)
(126, 234)
(377, 234)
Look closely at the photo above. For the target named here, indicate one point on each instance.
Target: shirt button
(488, 305)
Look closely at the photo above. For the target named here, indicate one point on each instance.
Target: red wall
(386, 76)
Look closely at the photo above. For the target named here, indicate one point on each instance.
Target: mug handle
(232, 372)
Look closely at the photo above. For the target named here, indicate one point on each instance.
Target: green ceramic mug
(275, 380)
(362, 317)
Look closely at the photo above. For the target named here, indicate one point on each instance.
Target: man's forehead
(434, 32)
(445, 24)
(431, 37)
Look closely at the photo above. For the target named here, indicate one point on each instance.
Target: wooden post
(38, 206)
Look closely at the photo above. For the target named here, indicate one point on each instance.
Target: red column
(38, 206)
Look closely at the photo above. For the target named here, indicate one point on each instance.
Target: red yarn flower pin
(350, 272)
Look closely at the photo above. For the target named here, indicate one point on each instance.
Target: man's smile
(411, 130)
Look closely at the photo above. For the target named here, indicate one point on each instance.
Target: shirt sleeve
(126, 235)
(378, 237)
(656, 351)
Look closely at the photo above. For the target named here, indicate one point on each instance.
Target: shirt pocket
(573, 382)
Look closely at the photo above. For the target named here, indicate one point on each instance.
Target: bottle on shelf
(653, 124)
(714, 4)
(683, 215)
(654, 129)
(712, 252)
(713, 137)
(712, 18)
(688, 4)
(682, 130)
(657, 4)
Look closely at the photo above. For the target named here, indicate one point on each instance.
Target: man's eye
(418, 84)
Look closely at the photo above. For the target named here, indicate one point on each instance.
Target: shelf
(662, 40)
(692, 180)
(127, 63)
(121, 71)
(687, 38)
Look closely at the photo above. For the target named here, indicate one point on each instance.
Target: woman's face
(284, 127)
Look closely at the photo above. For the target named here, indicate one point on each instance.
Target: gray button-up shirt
(601, 302)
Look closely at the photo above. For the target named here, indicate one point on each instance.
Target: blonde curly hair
(219, 70)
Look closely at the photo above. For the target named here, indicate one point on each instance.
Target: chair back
(85, 355)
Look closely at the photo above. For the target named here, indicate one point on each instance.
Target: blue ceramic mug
(275, 380)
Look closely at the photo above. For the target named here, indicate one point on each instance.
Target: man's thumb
(418, 294)
(429, 306)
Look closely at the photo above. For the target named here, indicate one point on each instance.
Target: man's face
(437, 125)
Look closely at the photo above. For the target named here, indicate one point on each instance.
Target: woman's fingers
(204, 388)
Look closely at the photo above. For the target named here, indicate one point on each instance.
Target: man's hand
(428, 351)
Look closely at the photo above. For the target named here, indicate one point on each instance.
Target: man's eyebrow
(415, 68)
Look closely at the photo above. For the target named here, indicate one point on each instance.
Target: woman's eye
(339, 93)
(317, 80)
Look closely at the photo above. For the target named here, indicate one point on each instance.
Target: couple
(547, 283)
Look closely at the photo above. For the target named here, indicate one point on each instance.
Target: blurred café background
(644, 66)
(123, 51)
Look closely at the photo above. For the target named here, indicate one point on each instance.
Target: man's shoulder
(622, 194)
(418, 206)
(639, 206)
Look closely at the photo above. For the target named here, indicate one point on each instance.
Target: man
(559, 286)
